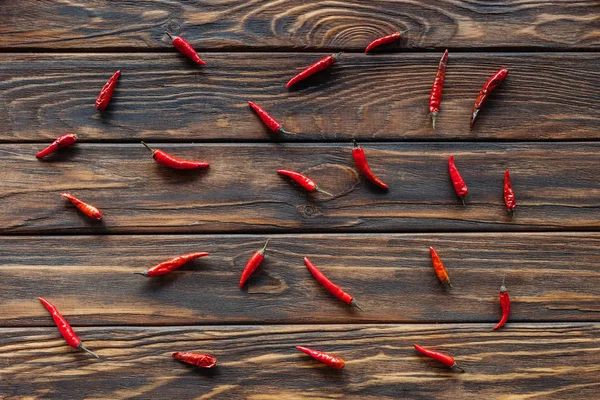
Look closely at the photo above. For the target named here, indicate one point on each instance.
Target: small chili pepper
(253, 264)
(308, 184)
(457, 181)
(266, 118)
(169, 265)
(439, 268)
(199, 360)
(62, 141)
(385, 40)
(327, 359)
(85, 208)
(312, 69)
(167, 160)
(107, 91)
(64, 328)
(435, 98)
(505, 304)
(361, 163)
(509, 194)
(485, 91)
(330, 286)
(186, 49)
(445, 359)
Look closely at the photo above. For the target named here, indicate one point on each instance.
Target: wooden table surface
(542, 124)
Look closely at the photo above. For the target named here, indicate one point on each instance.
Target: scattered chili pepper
(385, 40)
(457, 181)
(485, 91)
(505, 304)
(186, 49)
(167, 160)
(199, 360)
(439, 268)
(330, 286)
(308, 184)
(107, 91)
(63, 141)
(169, 265)
(85, 208)
(253, 264)
(435, 98)
(266, 118)
(312, 69)
(445, 359)
(64, 328)
(327, 359)
(361, 163)
(509, 194)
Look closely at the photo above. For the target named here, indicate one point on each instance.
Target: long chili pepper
(308, 184)
(509, 194)
(361, 163)
(327, 359)
(457, 181)
(85, 208)
(312, 69)
(199, 360)
(439, 268)
(385, 40)
(107, 91)
(164, 158)
(435, 98)
(169, 265)
(445, 359)
(64, 328)
(186, 49)
(485, 91)
(253, 264)
(330, 286)
(266, 118)
(505, 304)
(62, 141)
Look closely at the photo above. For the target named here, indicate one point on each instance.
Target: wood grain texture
(269, 24)
(551, 277)
(380, 97)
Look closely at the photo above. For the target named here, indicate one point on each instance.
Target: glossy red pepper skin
(253, 264)
(384, 40)
(361, 163)
(167, 160)
(312, 69)
(439, 268)
(330, 286)
(199, 360)
(441, 357)
(186, 49)
(509, 194)
(457, 181)
(167, 266)
(485, 91)
(107, 91)
(85, 208)
(435, 98)
(267, 119)
(62, 141)
(64, 328)
(327, 359)
(505, 305)
(307, 184)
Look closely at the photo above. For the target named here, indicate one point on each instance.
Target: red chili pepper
(59, 143)
(327, 359)
(330, 286)
(312, 69)
(505, 304)
(509, 194)
(85, 208)
(199, 360)
(266, 118)
(186, 49)
(169, 265)
(485, 91)
(457, 181)
(170, 161)
(439, 268)
(435, 98)
(64, 328)
(361, 163)
(384, 40)
(253, 264)
(107, 91)
(308, 184)
(441, 357)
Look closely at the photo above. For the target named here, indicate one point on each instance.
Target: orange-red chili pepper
(435, 98)
(64, 328)
(384, 40)
(330, 286)
(509, 194)
(485, 91)
(267, 119)
(312, 69)
(85, 208)
(253, 264)
(361, 163)
(307, 184)
(439, 268)
(199, 360)
(445, 359)
(327, 359)
(167, 160)
(62, 141)
(186, 49)
(505, 305)
(107, 91)
(457, 181)
(169, 265)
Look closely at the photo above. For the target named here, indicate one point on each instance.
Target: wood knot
(263, 282)
(338, 180)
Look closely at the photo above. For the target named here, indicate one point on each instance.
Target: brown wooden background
(542, 124)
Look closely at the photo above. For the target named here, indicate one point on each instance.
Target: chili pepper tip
(82, 347)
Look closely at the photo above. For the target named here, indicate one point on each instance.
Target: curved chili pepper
(164, 158)
(308, 184)
(441, 357)
(327, 359)
(107, 91)
(330, 286)
(199, 360)
(169, 265)
(439, 268)
(505, 304)
(253, 264)
(457, 181)
(485, 91)
(64, 328)
(435, 98)
(62, 141)
(361, 163)
(186, 49)
(85, 208)
(266, 118)
(312, 69)
(509, 194)
(385, 40)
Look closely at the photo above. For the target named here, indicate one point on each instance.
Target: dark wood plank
(383, 97)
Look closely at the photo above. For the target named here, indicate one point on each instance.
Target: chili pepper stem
(433, 118)
(264, 249)
(455, 366)
(148, 147)
(168, 34)
(318, 189)
(355, 304)
(141, 273)
(463, 201)
(82, 347)
(282, 131)
(449, 284)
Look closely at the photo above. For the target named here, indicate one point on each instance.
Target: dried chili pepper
(505, 304)
(253, 264)
(361, 163)
(199, 360)
(509, 194)
(167, 160)
(439, 268)
(330, 286)
(312, 69)
(327, 359)
(62, 141)
(64, 328)
(107, 91)
(457, 181)
(85, 208)
(385, 40)
(435, 98)
(266, 118)
(308, 184)
(186, 49)
(445, 359)
(169, 265)
(485, 91)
